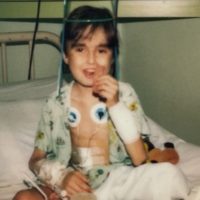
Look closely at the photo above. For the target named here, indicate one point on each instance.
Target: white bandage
(51, 172)
(62, 193)
(85, 156)
(124, 122)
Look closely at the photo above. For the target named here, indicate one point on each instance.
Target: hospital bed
(20, 108)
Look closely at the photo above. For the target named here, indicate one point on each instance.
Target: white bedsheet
(146, 182)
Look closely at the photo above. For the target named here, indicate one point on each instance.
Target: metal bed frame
(11, 38)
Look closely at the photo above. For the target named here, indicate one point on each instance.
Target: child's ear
(65, 58)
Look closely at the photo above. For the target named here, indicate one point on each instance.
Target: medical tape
(124, 122)
(85, 158)
(52, 173)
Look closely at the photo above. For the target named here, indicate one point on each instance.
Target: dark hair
(84, 16)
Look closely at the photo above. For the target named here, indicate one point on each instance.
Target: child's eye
(102, 50)
(79, 49)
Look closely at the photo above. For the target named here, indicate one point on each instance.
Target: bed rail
(26, 38)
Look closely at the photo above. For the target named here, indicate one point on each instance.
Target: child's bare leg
(33, 194)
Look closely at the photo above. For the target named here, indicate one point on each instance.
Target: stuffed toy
(155, 155)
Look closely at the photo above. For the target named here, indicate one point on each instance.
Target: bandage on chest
(87, 157)
(124, 122)
(82, 158)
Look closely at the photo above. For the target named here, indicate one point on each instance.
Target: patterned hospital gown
(53, 135)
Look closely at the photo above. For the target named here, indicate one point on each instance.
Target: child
(89, 138)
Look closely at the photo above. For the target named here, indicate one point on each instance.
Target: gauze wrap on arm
(124, 122)
(51, 172)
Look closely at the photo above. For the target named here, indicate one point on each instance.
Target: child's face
(90, 57)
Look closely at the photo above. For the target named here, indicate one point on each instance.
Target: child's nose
(91, 57)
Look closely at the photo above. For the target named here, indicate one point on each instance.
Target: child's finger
(99, 72)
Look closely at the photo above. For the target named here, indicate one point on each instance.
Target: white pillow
(34, 89)
(18, 124)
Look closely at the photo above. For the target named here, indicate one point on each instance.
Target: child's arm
(126, 127)
(137, 152)
(36, 156)
(56, 176)
(108, 88)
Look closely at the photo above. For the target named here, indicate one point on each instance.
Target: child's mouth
(93, 74)
(89, 73)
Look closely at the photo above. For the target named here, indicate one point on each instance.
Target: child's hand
(53, 196)
(76, 182)
(106, 87)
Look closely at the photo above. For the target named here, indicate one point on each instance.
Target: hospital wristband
(124, 122)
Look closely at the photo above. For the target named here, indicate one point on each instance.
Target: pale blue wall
(162, 61)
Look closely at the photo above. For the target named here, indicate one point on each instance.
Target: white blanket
(147, 182)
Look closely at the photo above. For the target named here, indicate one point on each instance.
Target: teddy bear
(156, 155)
